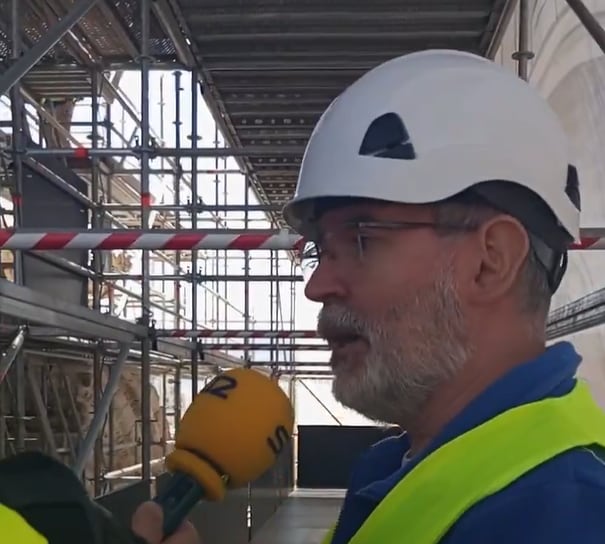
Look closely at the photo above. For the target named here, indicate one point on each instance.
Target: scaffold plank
(45, 44)
(30, 306)
(269, 69)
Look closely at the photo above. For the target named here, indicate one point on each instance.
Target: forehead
(329, 216)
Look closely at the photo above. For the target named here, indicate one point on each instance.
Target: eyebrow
(361, 218)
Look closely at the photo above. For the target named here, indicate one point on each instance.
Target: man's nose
(325, 284)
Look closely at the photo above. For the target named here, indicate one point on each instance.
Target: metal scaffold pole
(194, 254)
(255, 333)
(589, 21)
(198, 208)
(97, 222)
(202, 278)
(247, 308)
(264, 347)
(145, 264)
(523, 55)
(7, 358)
(178, 178)
(208, 152)
(19, 141)
(102, 409)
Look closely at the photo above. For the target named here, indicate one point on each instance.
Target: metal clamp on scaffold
(151, 149)
(153, 335)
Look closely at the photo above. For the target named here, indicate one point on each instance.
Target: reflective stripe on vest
(14, 529)
(425, 504)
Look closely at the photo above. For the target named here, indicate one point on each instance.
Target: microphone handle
(180, 496)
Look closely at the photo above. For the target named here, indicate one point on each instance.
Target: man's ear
(501, 246)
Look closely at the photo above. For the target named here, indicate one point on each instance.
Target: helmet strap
(554, 262)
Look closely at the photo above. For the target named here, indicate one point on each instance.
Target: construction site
(147, 149)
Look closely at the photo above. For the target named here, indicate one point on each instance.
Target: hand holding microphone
(147, 523)
(231, 434)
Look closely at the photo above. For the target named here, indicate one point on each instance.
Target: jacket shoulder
(561, 502)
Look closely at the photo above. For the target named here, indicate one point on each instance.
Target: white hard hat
(427, 126)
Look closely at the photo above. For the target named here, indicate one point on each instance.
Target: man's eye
(310, 252)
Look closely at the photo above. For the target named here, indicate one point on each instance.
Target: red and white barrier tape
(177, 240)
(137, 239)
(184, 333)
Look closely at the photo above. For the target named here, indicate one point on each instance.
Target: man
(440, 200)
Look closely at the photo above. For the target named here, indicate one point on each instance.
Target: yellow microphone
(232, 433)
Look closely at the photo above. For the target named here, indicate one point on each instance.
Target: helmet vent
(572, 187)
(388, 138)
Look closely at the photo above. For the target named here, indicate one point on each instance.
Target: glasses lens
(309, 259)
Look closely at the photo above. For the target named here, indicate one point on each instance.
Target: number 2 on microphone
(220, 385)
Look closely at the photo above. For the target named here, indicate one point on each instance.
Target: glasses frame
(319, 238)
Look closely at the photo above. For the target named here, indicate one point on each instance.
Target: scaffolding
(155, 179)
(177, 243)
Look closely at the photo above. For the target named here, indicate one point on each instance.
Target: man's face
(391, 315)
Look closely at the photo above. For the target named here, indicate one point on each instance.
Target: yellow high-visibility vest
(14, 529)
(429, 500)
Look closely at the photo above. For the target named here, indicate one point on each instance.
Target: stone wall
(126, 419)
(126, 413)
(569, 70)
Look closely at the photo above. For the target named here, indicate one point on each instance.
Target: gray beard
(414, 347)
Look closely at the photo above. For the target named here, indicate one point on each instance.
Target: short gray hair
(534, 290)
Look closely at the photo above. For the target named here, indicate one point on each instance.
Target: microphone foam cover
(238, 424)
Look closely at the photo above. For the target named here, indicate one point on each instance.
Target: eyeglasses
(350, 242)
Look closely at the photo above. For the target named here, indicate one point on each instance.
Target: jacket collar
(549, 375)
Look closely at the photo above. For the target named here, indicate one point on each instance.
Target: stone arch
(579, 100)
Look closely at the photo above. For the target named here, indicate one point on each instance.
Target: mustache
(338, 321)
